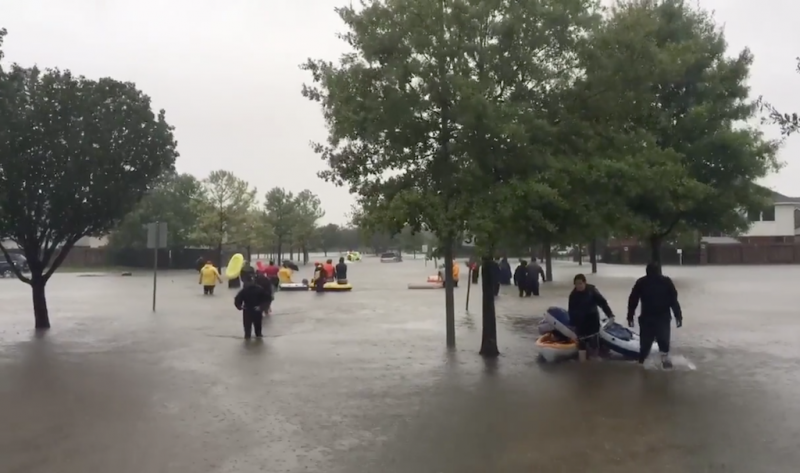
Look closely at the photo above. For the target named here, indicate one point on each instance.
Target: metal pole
(155, 265)
(469, 285)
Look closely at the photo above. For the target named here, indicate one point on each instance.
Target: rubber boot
(582, 355)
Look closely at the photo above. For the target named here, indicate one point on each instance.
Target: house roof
(779, 198)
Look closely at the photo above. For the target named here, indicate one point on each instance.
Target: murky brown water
(361, 382)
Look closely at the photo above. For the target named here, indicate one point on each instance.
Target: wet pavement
(362, 382)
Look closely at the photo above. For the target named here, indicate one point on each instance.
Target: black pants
(251, 318)
(655, 329)
(524, 291)
(234, 283)
(208, 290)
(475, 274)
(535, 288)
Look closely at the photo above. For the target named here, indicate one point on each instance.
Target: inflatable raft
(293, 286)
(558, 318)
(620, 339)
(552, 348)
(428, 285)
(332, 287)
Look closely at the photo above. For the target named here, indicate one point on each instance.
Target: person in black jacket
(251, 300)
(341, 272)
(585, 302)
(521, 278)
(658, 297)
(535, 271)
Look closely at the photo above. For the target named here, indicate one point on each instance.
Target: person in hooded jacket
(521, 278)
(505, 272)
(659, 301)
(585, 303)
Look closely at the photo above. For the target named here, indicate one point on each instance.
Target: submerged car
(391, 258)
(6, 271)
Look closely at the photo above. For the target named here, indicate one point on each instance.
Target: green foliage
(309, 210)
(676, 122)
(224, 206)
(281, 213)
(789, 122)
(76, 155)
(174, 201)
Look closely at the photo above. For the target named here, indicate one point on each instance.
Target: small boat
(293, 286)
(554, 348)
(559, 319)
(620, 339)
(427, 285)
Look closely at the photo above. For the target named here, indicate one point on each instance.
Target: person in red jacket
(330, 271)
(271, 271)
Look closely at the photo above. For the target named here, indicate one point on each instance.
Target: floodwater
(362, 382)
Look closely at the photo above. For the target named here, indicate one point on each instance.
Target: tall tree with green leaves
(280, 210)
(223, 208)
(676, 106)
(309, 211)
(76, 156)
(423, 109)
(173, 200)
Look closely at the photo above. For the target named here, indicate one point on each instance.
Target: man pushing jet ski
(658, 296)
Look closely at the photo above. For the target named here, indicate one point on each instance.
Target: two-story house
(777, 224)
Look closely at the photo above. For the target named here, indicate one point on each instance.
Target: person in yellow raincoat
(456, 270)
(209, 276)
(285, 274)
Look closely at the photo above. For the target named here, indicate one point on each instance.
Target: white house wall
(782, 226)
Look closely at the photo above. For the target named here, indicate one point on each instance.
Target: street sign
(156, 235)
(469, 240)
(424, 248)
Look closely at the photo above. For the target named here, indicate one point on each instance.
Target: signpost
(680, 256)
(156, 239)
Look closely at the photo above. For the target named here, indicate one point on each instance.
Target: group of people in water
(259, 286)
(658, 298)
(526, 277)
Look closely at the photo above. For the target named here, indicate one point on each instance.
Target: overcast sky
(227, 73)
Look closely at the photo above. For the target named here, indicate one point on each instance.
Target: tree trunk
(489, 334)
(280, 248)
(548, 259)
(249, 253)
(305, 254)
(580, 254)
(449, 299)
(593, 255)
(655, 248)
(219, 255)
(40, 312)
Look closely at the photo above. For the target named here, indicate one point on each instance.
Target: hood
(653, 269)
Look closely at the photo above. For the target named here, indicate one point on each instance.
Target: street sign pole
(156, 239)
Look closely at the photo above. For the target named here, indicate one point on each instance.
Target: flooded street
(362, 382)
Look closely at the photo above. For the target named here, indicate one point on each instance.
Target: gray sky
(227, 73)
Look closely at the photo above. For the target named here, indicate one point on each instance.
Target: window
(768, 215)
(753, 215)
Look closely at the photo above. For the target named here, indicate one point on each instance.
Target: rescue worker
(209, 276)
(341, 272)
(585, 302)
(473, 265)
(252, 300)
(320, 278)
(456, 270)
(272, 273)
(659, 297)
(284, 274)
(330, 271)
(534, 272)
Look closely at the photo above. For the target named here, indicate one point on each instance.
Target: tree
(788, 122)
(426, 111)
(224, 208)
(76, 156)
(173, 200)
(308, 210)
(281, 216)
(678, 120)
(329, 237)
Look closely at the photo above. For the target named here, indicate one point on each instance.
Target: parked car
(19, 261)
